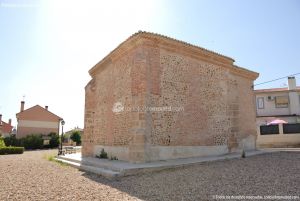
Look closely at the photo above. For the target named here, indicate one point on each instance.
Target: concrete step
(109, 174)
(69, 159)
(112, 169)
(95, 162)
(102, 163)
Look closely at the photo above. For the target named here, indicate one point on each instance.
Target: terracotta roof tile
(6, 128)
(180, 41)
(274, 90)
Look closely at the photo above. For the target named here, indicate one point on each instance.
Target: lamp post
(60, 149)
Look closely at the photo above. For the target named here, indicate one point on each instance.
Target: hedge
(34, 141)
(11, 150)
(13, 141)
(2, 144)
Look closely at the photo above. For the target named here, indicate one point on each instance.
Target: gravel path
(32, 177)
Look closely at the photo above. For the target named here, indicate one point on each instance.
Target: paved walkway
(116, 168)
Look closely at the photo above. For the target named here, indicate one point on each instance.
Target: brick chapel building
(156, 98)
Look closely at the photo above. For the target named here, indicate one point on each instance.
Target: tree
(76, 137)
(54, 140)
(33, 141)
(13, 141)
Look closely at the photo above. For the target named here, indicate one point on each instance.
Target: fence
(274, 129)
(281, 135)
(269, 130)
(291, 128)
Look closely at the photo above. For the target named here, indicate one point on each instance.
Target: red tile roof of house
(274, 90)
(6, 128)
(35, 109)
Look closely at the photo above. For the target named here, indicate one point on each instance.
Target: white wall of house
(294, 103)
(271, 103)
(37, 124)
(281, 103)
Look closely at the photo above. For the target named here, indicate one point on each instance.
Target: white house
(282, 103)
(279, 104)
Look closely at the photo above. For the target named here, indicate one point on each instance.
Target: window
(281, 101)
(260, 103)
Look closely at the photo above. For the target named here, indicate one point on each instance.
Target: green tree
(13, 141)
(54, 140)
(76, 137)
(33, 142)
(2, 144)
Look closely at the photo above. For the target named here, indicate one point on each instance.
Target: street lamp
(60, 148)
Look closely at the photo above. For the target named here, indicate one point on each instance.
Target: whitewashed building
(282, 103)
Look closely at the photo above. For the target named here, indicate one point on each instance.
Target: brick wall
(120, 81)
(211, 101)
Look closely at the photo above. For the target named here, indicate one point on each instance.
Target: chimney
(291, 83)
(0, 119)
(22, 106)
(9, 122)
(46, 107)
(294, 105)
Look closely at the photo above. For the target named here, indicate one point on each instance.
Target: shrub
(54, 140)
(113, 158)
(13, 141)
(11, 150)
(243, 154)
(2, 144)
(103, 154)
(76, 137)
(33, 142)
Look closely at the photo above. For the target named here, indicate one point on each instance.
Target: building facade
(278, 104)
(282, 103)
(156, 98)
(36, 120)
(5, 128)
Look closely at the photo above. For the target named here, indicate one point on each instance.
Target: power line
(275, 79)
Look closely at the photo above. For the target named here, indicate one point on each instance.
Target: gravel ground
(31, 176)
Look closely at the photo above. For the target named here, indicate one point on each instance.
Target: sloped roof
(37, 108)
(5, 127)
(165, 40)
(284, 89)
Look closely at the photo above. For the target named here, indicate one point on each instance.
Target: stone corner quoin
(156, 98)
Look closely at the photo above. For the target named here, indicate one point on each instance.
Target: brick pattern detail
(209, 95)
(214, 96)
(117, 82)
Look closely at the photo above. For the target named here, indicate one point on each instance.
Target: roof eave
(133, 38)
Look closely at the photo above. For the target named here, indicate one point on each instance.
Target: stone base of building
(157, 153)
(112, 169)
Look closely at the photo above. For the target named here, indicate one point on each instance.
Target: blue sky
(47, 47)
